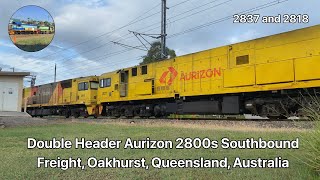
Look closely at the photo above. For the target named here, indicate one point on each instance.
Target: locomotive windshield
(94, 85)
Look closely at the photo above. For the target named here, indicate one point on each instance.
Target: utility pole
(55, 72)
(162, 36)
(33, 81)
(163, 29)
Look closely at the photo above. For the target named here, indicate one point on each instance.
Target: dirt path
(9, 122)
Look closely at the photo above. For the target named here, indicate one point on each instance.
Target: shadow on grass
(32, 48)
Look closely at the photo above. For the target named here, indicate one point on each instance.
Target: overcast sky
(82, 47)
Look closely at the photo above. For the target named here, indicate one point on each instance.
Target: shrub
(312, 139)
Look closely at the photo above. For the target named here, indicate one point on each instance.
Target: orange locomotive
(73, 97)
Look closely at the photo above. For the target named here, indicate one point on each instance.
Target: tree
(154, 53)
(46, 23)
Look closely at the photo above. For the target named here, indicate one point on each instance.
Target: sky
(33, 12)
(85, 28)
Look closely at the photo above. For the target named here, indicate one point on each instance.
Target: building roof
(6, 73)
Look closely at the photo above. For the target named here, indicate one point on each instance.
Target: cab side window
(105, 82)
(83, 86)
(144, 69)
(134, 71)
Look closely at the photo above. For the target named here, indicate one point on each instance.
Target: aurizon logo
(173, 73)
(186, 76)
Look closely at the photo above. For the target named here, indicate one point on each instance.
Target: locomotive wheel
(67, 113)
(76, 114)
(157, 111)
(95, 116)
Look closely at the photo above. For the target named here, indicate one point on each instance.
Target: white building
(11, 88)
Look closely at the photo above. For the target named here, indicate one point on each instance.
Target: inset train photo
(31, 28)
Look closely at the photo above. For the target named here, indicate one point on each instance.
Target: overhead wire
(109, 42)
(136, 20)
(228, 17)
(118, 39)
(270, 4)
(159, 26)
(79, 72)
(90, 50)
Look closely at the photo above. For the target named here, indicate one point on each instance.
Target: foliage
(312, 139)
(154, 53)
(46, 23)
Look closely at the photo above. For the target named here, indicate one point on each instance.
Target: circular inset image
(31, 28)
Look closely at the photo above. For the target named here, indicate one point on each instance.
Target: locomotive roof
(85, 78)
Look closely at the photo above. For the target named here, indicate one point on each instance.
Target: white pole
(25, 104)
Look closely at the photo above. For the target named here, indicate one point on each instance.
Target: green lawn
(34, 43)
(17, 162)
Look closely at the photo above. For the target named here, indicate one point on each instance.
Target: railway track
(207, 123)
(292, 119)
(231, 124)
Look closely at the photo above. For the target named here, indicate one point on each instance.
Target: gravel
(23, 121)
(28, 121)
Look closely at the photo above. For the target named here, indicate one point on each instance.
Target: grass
(17, 162)
(312, 156)
(33, 43)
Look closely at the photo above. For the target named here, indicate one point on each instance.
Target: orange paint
(174, 74)
(201, 74)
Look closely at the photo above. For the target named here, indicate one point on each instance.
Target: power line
(80, 71)
(145, 13)
(90, 50)
(97, 57)
(228, 17)
(136, 20)
(201, 11)
(104, 44)
(178, 4)
(104, 56)
(194, 8)
(120, 38)
(273, 3)
(270, 4)
(185, 13)
(163, 33)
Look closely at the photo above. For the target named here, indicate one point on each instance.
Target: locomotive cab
(73, 97)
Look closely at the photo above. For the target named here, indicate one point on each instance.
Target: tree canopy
(154, 53)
